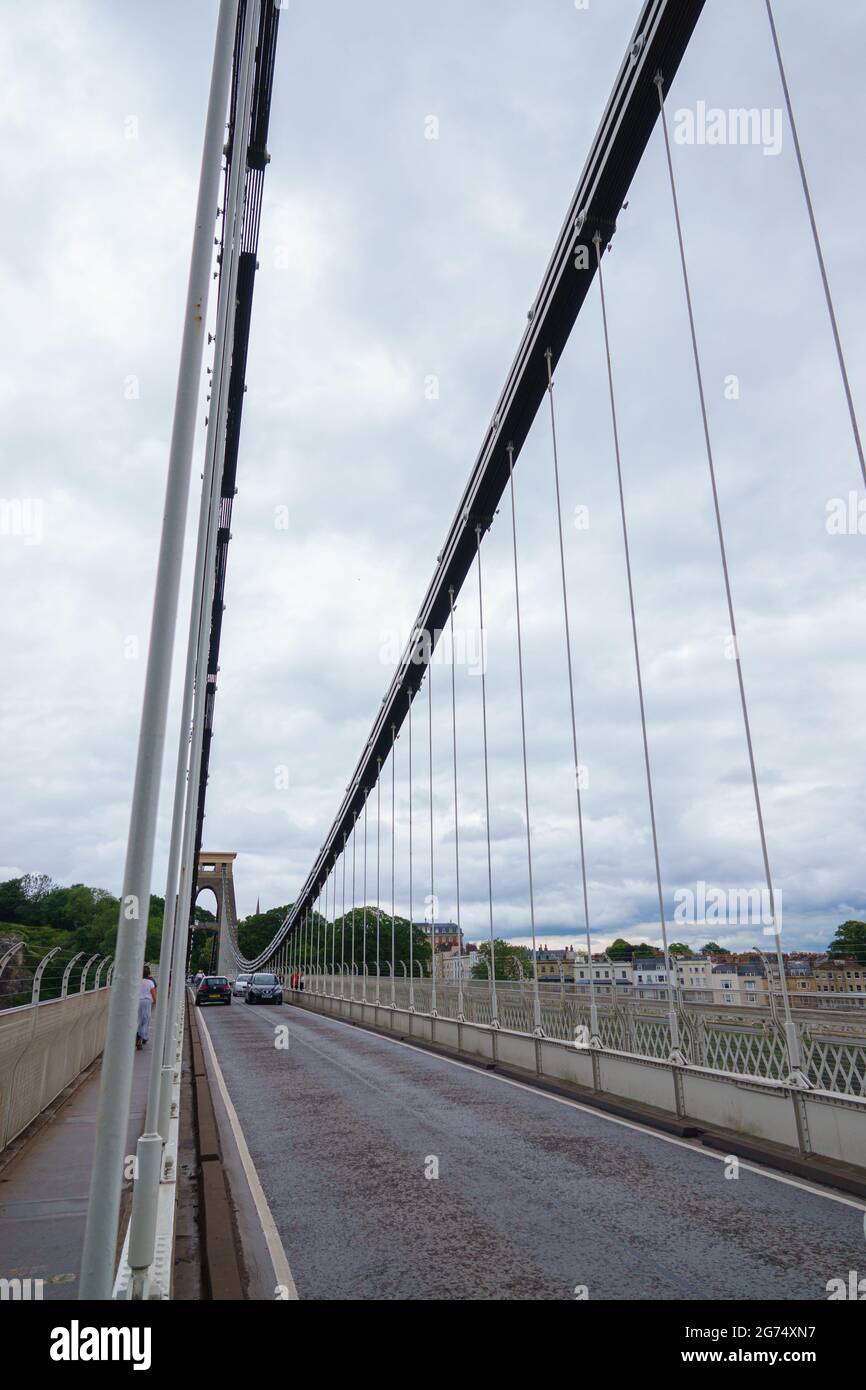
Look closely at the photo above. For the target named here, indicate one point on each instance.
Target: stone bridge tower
(215, 872)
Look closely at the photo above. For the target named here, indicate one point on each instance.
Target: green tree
(323, 941)
(68, 909)
(22, 899)
(36, 888)
(505, 957)
(850, 940)
(12, 900)
(679, 948)
(333, 941)
(712, 948)
(259, 928)
(77, 917)
(100, 933)
(620, 949)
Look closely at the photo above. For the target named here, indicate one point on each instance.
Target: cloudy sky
(387, 259)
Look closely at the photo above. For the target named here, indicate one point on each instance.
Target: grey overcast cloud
(423, 158)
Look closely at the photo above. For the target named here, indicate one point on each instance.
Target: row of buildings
(744, 979)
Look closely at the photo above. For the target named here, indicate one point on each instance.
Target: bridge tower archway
(215, 871)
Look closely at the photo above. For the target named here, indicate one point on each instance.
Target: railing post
(100, 1239)
(7, 956)
(64, 988)
(39, 972)
(82, 984)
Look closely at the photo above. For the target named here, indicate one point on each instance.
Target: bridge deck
(534, 1196)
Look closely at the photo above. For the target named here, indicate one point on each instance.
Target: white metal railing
(789, 1112)
(740, 1037)
(44, 1046)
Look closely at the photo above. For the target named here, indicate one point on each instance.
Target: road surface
(534, 1198)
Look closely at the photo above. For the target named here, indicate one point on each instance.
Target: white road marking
(691, 1144)
(282, 1272)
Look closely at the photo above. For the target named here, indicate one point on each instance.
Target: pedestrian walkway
(44, 1190)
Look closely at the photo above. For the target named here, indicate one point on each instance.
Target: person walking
(146, 1001)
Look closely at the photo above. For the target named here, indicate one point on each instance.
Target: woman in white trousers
(146, 1001)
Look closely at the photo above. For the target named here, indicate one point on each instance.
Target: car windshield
(243, 977)
(215, 980)
(265, 979)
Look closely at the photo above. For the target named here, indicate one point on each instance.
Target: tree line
(87, 916)
(37, 905)
(325, 940)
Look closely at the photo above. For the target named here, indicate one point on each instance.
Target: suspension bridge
(398, 1087)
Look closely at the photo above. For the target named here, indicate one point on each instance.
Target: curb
(220, 1265)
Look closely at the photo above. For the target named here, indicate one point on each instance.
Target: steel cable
(818, 251)
(792, 1041)
(592, 1004)
(672, 1017)
(491, 971)
(536, 1002)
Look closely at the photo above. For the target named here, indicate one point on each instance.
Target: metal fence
(46, 1042)
(739, 1038)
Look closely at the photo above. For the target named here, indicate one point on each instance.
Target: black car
(213, 989)
(264, 989)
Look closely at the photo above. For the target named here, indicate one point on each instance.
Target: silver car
(240, 985)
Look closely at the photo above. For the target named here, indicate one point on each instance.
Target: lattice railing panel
(833, 1064)
(748, 1047)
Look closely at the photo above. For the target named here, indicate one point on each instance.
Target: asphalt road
(533, 1198)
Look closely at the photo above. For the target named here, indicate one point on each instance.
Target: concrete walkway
(44, 1189)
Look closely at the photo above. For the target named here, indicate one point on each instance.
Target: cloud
(386, 259)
